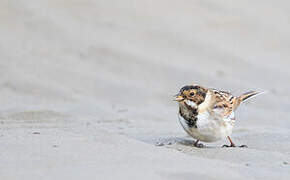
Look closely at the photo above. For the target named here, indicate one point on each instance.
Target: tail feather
(246, 96)
(249, 95)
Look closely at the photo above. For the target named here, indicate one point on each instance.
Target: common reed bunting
(208, 115)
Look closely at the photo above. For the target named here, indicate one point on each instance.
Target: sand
(86, 88)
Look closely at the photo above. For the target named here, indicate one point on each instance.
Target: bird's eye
(191, 94)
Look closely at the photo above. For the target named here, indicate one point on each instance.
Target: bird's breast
(208, 128)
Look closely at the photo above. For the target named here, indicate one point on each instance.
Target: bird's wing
(223, 103)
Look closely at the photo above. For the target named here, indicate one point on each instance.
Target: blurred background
(100, 70)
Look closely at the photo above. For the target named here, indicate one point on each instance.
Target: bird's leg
(198, 145)
(232, 144)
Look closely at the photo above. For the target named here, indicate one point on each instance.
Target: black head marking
(203, 94)
(186, 88)
(193, 93)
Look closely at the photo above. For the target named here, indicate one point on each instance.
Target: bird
(208, 114)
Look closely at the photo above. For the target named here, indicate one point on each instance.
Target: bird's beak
(178, 97)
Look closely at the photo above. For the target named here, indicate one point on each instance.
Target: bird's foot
(198, 145)
(243, 146)
(233, 145)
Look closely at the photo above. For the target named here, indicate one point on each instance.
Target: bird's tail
(246, 96)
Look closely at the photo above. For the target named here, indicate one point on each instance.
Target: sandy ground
(86, 87)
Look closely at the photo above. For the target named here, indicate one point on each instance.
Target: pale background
(86, 87)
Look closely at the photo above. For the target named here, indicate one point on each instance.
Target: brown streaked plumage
(208, 114)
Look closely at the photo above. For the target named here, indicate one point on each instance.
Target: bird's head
(192, 95)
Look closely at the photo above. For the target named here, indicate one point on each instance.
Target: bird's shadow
(179, 141)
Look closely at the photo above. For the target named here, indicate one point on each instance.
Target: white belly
(209, 128)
